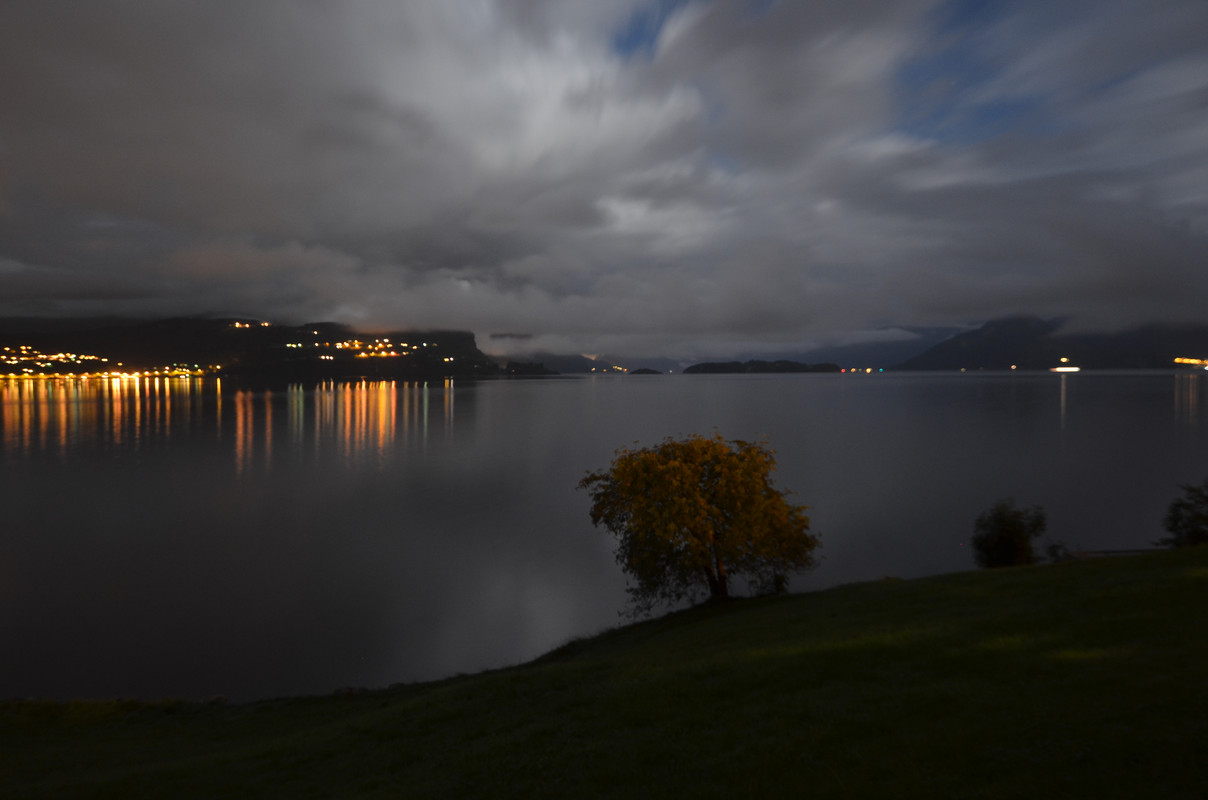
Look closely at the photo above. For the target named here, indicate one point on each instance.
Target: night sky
(670, 177)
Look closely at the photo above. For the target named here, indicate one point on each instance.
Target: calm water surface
(187, 539)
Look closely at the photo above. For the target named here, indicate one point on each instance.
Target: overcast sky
(677, 177)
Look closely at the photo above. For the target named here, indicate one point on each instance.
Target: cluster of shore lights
(1192, 362)
(378, 348)
(25, 354)
(36, 364)
(1065, 367)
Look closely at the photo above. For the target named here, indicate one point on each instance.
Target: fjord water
(185, 538)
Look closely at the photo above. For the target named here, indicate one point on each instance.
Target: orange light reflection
(358, 422)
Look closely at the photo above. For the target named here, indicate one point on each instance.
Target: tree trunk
(719, 583)
(722, 592)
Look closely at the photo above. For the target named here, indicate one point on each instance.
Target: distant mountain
(897, 345)
(568, 364)
(1031, 343)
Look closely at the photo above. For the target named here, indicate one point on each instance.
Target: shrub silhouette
(1187, 517)
(1003, 535)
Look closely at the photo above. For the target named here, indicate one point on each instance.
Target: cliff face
(1035, 343)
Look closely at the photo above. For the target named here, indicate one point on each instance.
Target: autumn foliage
(691, 515)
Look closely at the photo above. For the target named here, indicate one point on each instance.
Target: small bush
(1187, 518)
(1003, 535)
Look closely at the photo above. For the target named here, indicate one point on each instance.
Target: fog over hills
(1023, 342)
(1028, 342)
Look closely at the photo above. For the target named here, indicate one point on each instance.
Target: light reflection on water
(189, 537)
(361, 420)
(1187, 406)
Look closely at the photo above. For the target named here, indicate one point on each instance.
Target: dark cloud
(685, 177)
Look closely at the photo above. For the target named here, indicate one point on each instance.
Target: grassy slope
(1077, 680)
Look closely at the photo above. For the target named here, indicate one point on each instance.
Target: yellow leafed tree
(689, 515)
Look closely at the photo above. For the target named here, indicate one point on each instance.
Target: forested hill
(1035, 343)
(253, 347)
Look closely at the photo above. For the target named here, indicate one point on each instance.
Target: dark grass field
(1087, 679)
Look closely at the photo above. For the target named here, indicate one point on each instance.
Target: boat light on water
(1065, 367)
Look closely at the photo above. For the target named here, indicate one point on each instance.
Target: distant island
(756, 367)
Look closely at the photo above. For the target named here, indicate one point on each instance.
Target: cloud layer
(679, 177)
